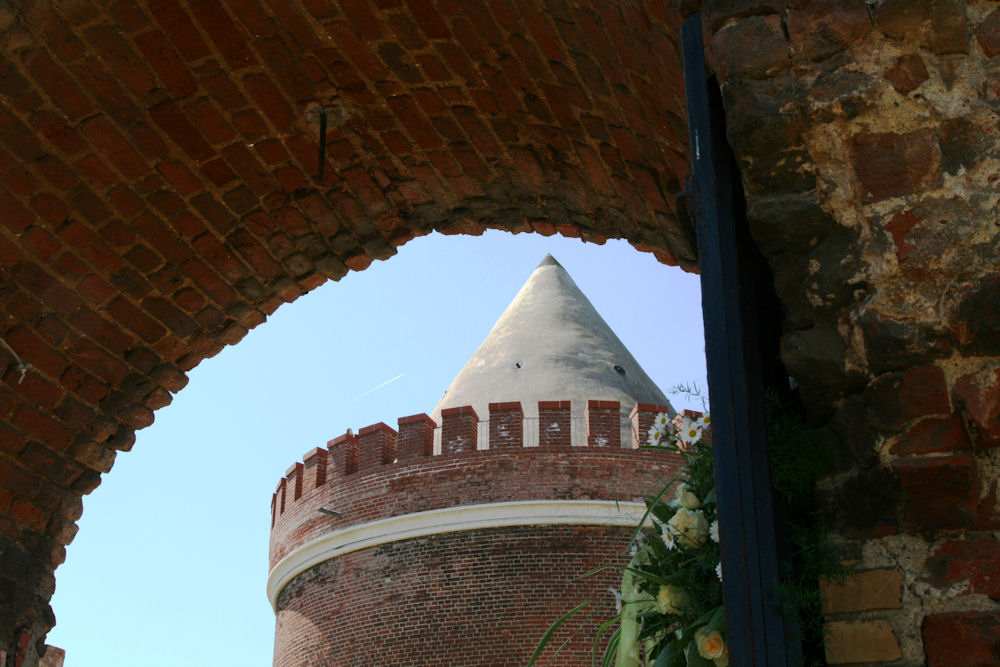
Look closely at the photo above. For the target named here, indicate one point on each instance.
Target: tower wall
(462, 558)
(478, 598)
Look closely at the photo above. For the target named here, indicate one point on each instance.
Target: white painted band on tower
(449, 520)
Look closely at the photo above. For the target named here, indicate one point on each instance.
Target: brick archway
(160, 196)
(162, 193)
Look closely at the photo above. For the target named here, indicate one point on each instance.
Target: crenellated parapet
(420, 466)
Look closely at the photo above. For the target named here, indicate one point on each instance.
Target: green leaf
(600, 631)
(649, 576)
(694, 658)
(642, 521)
(718, 620)
(600, 568)
(672, 655)
(555, 626)
(612, 649)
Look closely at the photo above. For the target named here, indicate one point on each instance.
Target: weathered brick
(974, 563)
(120, 57)
(861, 641)
(988, 34)
(972, 635)
(933, 435)
(863, 591)
(894, 399)
(178, 127)
(227, 36)
(270, 101)
(940, 491)
(58, 85)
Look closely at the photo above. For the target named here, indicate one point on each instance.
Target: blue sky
(170, 563)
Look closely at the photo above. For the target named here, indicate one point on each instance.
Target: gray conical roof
(550, 345)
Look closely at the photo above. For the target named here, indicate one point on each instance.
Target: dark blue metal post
(755, 628)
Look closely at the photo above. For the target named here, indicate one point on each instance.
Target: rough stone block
(977, 319)
(948, 30)
(980, 397)
(892, 165)
(907, 73)
(894, 399)
(988, 34)
(901, 19)
(752, 48)
(823, 28)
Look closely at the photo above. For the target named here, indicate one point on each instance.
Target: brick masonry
(377, 490)
(479, 597)
(488, 595)
(160, 194)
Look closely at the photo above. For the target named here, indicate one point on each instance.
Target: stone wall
(867, 136)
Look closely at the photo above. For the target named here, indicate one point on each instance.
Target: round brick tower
(456, 540)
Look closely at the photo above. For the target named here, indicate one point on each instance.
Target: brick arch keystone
(162, 191)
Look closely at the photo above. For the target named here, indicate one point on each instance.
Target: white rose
(690, 527)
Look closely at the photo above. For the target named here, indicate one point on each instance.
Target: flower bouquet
(668, 609)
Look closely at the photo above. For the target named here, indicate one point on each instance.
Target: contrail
(375, 388)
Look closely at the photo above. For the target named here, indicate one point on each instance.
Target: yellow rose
(687, 498)
(690, 527)
(711, 646)
(670, 600)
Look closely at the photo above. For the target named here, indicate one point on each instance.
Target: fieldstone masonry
(161, 196)
(867, 136)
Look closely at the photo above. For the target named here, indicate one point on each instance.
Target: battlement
(382, 472)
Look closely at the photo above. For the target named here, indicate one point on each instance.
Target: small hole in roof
(619, 369)
(517, 364)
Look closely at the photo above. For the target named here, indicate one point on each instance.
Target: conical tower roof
(550, 345)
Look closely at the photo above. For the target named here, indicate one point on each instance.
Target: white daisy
(668, 538)
(713, 531)
(718, 571)
(688, 431)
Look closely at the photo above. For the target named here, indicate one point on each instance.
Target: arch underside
(163, 190)
(161, 194)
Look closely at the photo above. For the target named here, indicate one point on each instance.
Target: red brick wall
(466, 479)
(604, 427)
(506, 426)
(416, 437)
(480, 597)
(377, 445)
(459, 430)
(475, 598)
(161, 196)
(554, 423)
